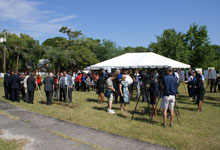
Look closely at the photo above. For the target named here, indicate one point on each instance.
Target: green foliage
(71, 34)
(78, 51)
(192, 48)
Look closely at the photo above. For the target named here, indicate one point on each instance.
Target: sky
(125, 22)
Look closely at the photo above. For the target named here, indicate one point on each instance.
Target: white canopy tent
(139, 60)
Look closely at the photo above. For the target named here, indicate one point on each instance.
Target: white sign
(210, 74)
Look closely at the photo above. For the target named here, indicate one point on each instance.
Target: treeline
(78, 51)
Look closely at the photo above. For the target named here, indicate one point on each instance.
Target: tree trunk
(17, 62)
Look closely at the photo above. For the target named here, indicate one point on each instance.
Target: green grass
(6, 145)
(197, 130)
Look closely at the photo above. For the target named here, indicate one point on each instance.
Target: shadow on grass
(212, 98)
(213, 104)
(186, 108)
(91, 100)
(146, 120)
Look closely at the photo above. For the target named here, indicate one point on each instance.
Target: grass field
(197, 130)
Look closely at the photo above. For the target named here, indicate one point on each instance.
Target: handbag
(107, 93)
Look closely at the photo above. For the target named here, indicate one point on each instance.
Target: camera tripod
(148, 101)
(151, 115)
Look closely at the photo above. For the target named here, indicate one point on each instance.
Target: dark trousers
(70, 94)
(49, 95)
(130, 88)
(56, 94)
(6, 89)
(145, 94)
(88, 88)
(63, 94)
(22, 91)
(83, 86)
(116, 94)
(77, 86)
(15, 95)
(31, 97)
(212, 85)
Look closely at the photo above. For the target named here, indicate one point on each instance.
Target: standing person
(218, 82)
(78, 81)
(25, 87)
(116, 83)
(154, 92)
(145, 81)
(124, 92)
(63, 86)
(169, 85)
(56, 86)
(100, 87)
(22, 90)
(83, 83)
(31, 85)
(190, 85)
(69, 86)
(200, 91)
(74, 78)
(6, 84)
(15, 87)
(110, 89)
(48, 87)
(137, 80)
(88, 83)
(39, 81)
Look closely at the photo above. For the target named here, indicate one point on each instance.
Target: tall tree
(171, 44)
(71, 34)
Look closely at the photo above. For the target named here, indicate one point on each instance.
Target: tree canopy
(79, 51)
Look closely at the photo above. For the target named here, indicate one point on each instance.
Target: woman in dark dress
(154, 92)
(100, 87)
(200, 91)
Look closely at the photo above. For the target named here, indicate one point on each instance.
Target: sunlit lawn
(197, 130)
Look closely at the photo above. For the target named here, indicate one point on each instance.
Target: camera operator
(169, 86)
(145, 78)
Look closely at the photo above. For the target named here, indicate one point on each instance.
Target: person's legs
(164, 117)
(200, 106)
(47, 97)
(31, 94)
(164, 106)
(61, 94)
(17, 95)
(50, 97)
(70, 95)
(144, 94)
(13, 95)
(171, 107)
(138, 90)
(64, 94)
(102, 97)
(121, 104)
(6, 92)
(110, 100)
(116, 97)
(171, 117)
(99, 97)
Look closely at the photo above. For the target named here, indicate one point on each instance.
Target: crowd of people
(117, 86)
